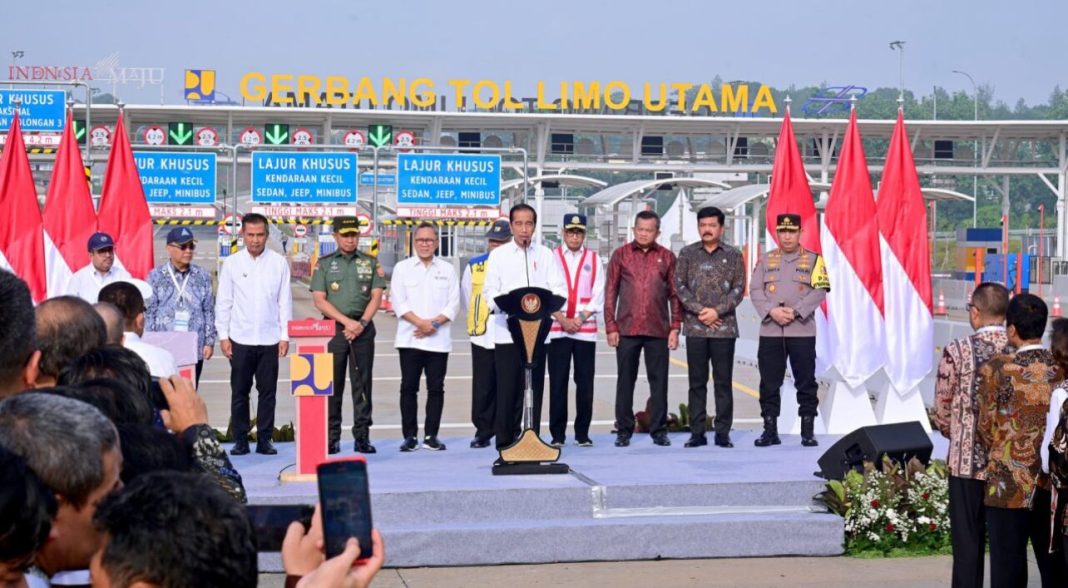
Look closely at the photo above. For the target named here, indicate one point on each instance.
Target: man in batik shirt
(956, 414)
(1014, 397)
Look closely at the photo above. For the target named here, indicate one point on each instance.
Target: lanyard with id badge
(181, 309)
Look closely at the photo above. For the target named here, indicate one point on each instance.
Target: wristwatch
(435, 324)
(364, 322)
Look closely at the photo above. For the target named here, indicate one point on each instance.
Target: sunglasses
(185, 246)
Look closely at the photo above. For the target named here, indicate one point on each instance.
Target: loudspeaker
(900, 441)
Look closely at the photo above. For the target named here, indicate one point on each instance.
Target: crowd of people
(1000, 400)
(645, 297)
(100, 432)
(113, 477)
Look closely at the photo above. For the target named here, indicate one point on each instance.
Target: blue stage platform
(640, 502)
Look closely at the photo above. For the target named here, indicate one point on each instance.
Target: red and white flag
(906, 264)
(21, 240)
(851, 245)
(69, 217)
(790, 193)
(123, 211)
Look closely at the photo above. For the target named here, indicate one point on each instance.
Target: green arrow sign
(276, 134)
(180, 133)
(79, 131)
(380, 135)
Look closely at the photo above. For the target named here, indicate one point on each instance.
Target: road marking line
(741, 387)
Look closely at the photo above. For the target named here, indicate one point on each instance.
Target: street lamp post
(975, 151)
(900, 46)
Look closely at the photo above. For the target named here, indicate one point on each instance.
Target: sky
(1013, 46)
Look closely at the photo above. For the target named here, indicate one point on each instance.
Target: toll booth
(1003, 269)
(974, 248)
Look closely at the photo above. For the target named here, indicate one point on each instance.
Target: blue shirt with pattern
(198, 300)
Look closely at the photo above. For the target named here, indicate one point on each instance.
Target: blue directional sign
(430, 178)
(177, 178)
(39, 110)
(368, 179)
(287, 176)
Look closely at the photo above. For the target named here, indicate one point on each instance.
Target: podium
(311, 369)
(529, 319)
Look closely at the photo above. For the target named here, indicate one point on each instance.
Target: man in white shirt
(480, 329)
(252, 313)
(130, 302)
(574, 336)
(425, 295)
(518, 264)
(101, 271)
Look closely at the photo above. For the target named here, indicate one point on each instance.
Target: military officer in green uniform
(788, 286)
(347, 287)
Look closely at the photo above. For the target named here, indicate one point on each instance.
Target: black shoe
(770, 436)
(240, 448)
(622, 440)
(696, 441)
(558, 443)
(433, 444)
(479, 443)
(265, 447)
(661, 439)
(723, 441)
(333, 447)
(363, 446)
(584, 442)
(808, 435)
(410, 444)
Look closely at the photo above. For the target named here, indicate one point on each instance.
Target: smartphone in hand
(345, 500)
(271, 521)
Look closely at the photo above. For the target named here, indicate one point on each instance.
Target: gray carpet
(641, 502)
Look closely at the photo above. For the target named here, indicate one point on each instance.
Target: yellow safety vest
(478, 311)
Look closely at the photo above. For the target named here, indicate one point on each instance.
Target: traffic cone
(387, 306)
(940, 310)
(1057, 306)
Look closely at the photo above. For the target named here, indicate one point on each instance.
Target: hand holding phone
(341, 571)
(345, 502)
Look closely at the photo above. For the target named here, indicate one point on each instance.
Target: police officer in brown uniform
(788, 286)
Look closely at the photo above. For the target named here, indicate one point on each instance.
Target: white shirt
(86, 283)
(68, 578)
(1056, 401)
(426, 291)
(254, 303)
(596, 303)
(160, 362)
(485, 340)
(510, 267)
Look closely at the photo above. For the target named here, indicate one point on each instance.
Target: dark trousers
(413, 363)
(967, 520)
(628, 354)
(359, 357)
(483, 391)
(1010, 529)
(200, 368)
(772, 355)
(719, 352)
(561, 351)
(510, 383)
(261, 362)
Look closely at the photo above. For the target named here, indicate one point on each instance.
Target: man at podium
(518, 264)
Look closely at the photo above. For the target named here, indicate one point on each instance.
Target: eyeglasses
(425, 241)
(185, 246)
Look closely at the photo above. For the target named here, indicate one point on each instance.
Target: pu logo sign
(200, 85)
(312, 374)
